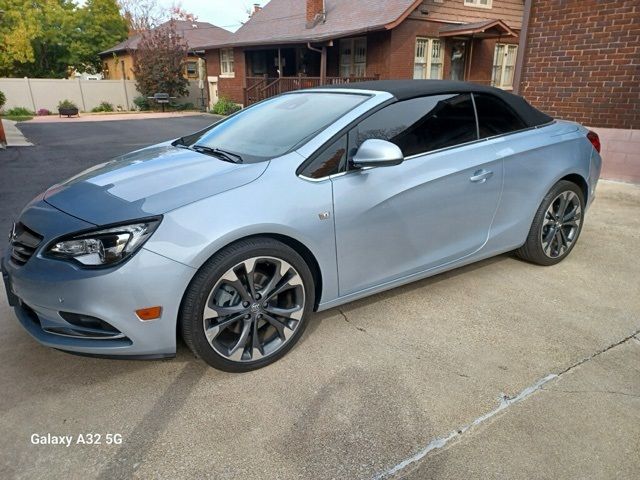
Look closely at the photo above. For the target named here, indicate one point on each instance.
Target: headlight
(105, 247)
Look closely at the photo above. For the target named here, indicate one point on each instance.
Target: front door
(213, 91)
(458, 59)
(434, 208)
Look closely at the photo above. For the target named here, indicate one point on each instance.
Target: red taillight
(594, 139)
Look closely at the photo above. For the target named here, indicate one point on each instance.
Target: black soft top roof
(407, 89)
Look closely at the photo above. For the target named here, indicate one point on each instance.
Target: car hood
(147, 182)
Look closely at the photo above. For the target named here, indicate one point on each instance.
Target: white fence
(37, 93)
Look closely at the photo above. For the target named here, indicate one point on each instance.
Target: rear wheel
(248, 305)
(556, 226)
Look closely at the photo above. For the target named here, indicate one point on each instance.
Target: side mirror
(378, 153)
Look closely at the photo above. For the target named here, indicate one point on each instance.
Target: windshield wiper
(228, 156)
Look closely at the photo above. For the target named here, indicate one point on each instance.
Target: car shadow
(404, 289)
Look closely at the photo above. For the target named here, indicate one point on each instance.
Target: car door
(434, 208)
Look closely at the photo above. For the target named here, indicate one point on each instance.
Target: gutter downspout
(522, 45)
(323, 61)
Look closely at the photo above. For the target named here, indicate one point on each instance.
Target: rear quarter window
(495, 117)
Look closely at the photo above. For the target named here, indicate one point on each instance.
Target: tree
(42, 38)
(99, 26)
(159, 62)
(142, 15)
(35, 37)
(176, 12)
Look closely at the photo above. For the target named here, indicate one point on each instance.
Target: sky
(224, 13)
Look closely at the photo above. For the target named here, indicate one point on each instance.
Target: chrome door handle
(481, 176)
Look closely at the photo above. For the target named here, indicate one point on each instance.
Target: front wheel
(248, 305)
(556, 225)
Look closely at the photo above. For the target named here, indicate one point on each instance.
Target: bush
(3, 99)
(224, 106)
(43, 112)
(103, 107)
(66, 104)
(142, 103)
(19, 112)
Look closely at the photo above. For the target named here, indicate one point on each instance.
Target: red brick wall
(231, 88)
(314, 7)
(482, 58)
(403, 45)
(582, 61)
(379, 54)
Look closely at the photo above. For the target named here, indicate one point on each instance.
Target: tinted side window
(423, 124)
(329, 161)
(495, 117)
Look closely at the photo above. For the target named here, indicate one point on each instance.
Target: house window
(192, 69)
(226, 62)
(478, 3)
(353, 57)
(429, 59)
(504, 63)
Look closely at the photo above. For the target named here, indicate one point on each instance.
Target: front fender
(194, 233)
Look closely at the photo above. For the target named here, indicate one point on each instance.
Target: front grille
(23, 243)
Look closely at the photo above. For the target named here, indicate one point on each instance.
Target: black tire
(192, 319)
(534, 250)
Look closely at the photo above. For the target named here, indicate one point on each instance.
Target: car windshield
(274, 127)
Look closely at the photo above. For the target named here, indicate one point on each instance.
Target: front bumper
(43, 288)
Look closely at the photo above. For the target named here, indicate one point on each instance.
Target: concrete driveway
(497, 370)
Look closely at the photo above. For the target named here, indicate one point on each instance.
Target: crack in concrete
(610, 392)
(599, 352)
(440, 442)
(505, 402)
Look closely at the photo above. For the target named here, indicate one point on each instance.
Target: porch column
(468, 72)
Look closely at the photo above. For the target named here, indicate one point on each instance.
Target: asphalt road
(63, 149)
(501, 369)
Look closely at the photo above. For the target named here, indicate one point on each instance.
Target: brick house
(117, 61)
(581, 62)
(292, 44)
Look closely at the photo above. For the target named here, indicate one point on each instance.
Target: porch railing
(261, 88)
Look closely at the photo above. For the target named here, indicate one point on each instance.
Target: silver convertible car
(234, 235)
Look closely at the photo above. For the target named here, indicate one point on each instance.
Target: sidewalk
(107, 117)
(15, 138)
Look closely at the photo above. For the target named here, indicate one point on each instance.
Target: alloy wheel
(254, 309)
(561, 224)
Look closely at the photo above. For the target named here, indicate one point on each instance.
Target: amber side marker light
(150, 313)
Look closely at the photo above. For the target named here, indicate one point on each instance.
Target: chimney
(256, 8)
(315, 12)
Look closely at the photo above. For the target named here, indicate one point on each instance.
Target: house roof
(484, 29)
(407, 89)
(196, 34)
(284, 21)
